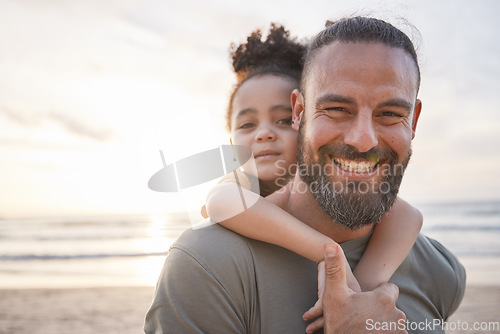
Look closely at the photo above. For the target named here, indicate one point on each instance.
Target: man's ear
(297, 101)
(416, 115)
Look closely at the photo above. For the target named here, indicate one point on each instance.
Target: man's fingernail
(330, 250)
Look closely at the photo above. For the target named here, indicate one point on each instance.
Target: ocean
(90, 251)
(130, 250)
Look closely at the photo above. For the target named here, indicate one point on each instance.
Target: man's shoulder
(205, 268)
(434, 261)
(435, 255)
(213, 255)
(251, 283)
(439, 263)
(430, 275)
(212, 241)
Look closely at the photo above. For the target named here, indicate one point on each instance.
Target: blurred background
(91, 90)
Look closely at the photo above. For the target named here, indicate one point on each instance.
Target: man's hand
(346, 311)
(317, 310)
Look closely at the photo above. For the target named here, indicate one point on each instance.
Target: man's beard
(353, 204)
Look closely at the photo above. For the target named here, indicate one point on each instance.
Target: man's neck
(299, 202)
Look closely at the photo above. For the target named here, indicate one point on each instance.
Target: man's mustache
(349, 152)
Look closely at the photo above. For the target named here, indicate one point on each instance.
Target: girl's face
(261, 119)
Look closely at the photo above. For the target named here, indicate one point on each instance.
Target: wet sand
(122, 310)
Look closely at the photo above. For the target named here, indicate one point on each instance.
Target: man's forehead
(357, 60)
(359, 49)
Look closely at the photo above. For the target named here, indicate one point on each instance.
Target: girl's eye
(285, 121)
(246, 125)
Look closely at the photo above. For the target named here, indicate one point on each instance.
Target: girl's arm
(390, 243)
(267, 222)
(264, 221)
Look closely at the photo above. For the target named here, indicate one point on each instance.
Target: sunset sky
(90, 90)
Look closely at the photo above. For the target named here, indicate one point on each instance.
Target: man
(356, 113)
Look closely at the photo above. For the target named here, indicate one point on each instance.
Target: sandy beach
(121, 310)
(481, 305)
(79, 311)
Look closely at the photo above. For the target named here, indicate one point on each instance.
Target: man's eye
(337, 109)
(246, 125)
(390, 114)
(285, 121)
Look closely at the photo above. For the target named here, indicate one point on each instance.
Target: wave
(73, 237)
(37, 257)
(476, 253)
(66, 257)
(450, 227)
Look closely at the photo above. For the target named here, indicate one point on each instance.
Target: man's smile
(353, 166)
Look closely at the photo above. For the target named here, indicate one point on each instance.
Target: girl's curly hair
(278, 54)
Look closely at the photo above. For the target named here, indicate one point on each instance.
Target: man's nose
(361, 133)
(265, 133)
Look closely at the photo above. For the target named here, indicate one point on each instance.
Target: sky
(91, 90)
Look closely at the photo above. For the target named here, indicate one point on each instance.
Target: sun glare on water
(158, 241)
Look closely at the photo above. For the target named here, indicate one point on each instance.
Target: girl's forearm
(267, 222)
(390, 243)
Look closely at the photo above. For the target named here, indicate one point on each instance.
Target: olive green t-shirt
(216, 281)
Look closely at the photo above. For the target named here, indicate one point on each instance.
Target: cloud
(78, 127)
(66, 121)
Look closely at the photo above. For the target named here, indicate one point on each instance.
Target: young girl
(260, 117)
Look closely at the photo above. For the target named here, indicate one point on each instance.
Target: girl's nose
(265, 133)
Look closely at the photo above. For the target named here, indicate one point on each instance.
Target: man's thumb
(334, 266)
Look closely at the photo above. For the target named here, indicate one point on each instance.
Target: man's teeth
(356, 167)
